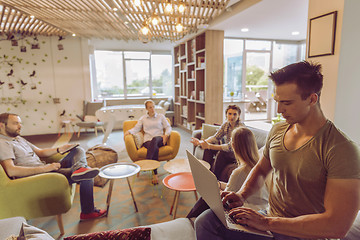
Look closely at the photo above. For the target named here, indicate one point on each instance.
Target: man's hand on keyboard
(249, 217)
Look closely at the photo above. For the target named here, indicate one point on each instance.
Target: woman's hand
(205, 145)
(232, 200)
(195, 141)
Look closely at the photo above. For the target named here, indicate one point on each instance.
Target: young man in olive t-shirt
(315, 190)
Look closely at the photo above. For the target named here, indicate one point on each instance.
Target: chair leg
(79, 132)
(95, 128)
(60, 224)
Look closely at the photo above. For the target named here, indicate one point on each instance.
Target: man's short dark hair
(4, 117)
(306, 75)
(233, 107)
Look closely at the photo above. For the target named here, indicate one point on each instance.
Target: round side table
(181, 165)
(180, 182)
(116, 171)
(149, 165)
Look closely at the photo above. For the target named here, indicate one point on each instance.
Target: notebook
(207, 185)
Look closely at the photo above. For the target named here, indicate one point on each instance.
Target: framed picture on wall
(322, 30)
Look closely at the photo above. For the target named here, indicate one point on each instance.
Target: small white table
(116, 171)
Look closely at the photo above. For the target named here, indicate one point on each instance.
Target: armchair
(166, 152)
(36, 196)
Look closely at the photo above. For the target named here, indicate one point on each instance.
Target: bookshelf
(198, 73)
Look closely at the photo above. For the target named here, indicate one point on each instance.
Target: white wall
(329, 63)
(347, 114)
(341, 73)
(59, 74)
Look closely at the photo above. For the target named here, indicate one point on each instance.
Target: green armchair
(36, 196)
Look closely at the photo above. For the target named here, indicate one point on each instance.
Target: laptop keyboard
(228, 218)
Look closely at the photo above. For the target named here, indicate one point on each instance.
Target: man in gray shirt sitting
(20, 158)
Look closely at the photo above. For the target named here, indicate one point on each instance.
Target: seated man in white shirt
(154, 125)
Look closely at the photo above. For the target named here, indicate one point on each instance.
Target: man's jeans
(76, 159)
(208, 226)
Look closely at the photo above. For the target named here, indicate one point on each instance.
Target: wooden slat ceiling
(100, 19)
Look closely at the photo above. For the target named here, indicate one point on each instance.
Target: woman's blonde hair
(244, 146)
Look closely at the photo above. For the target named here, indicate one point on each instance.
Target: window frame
(93, 77)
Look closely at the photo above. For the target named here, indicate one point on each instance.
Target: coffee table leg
(176, 203)
(108, 199)
(196, 196)
(132, 195)
(173, 203)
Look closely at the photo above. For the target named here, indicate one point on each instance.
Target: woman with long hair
(246, 154)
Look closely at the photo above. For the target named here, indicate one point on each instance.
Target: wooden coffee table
(181, 165)
(149, 165)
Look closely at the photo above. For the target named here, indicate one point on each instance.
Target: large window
(123, 74)
(247, 64)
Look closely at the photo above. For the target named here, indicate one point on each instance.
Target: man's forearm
(47, 152)
(19, 171)
(308, 226)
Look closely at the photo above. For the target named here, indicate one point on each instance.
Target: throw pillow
(30, 232)
(129, 234)
(166, 106)
(209, 130)
(139, 139)
(161, 103)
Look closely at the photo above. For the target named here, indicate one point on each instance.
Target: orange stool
(180, 182)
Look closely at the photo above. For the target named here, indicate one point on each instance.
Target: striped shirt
(224, 133)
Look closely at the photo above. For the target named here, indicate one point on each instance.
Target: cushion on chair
(166, 106)
(129, 234)
(86, 124)
(209, 130)
(31, 232)
(139, 139)
(161, 103)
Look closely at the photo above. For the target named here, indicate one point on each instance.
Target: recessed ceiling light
(126, 22)
(202, 26)
(244, 29)
(32, 16)
(73, 34)
(295, 33)
(115, 9)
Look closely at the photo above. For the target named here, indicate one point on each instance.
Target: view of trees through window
(132, 74)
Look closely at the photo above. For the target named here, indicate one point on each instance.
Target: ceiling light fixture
(179, 27)
(145, 30)
(169, 8)
(244, 29)
(181, 8)
(155, 19)
(295, 33)
(115, 9)
(137, 3)
(74, 35)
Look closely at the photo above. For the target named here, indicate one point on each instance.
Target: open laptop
(207, 185)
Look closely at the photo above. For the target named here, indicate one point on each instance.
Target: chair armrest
(131, 147)
(35, 196)
(197, 134)
(174, 142)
